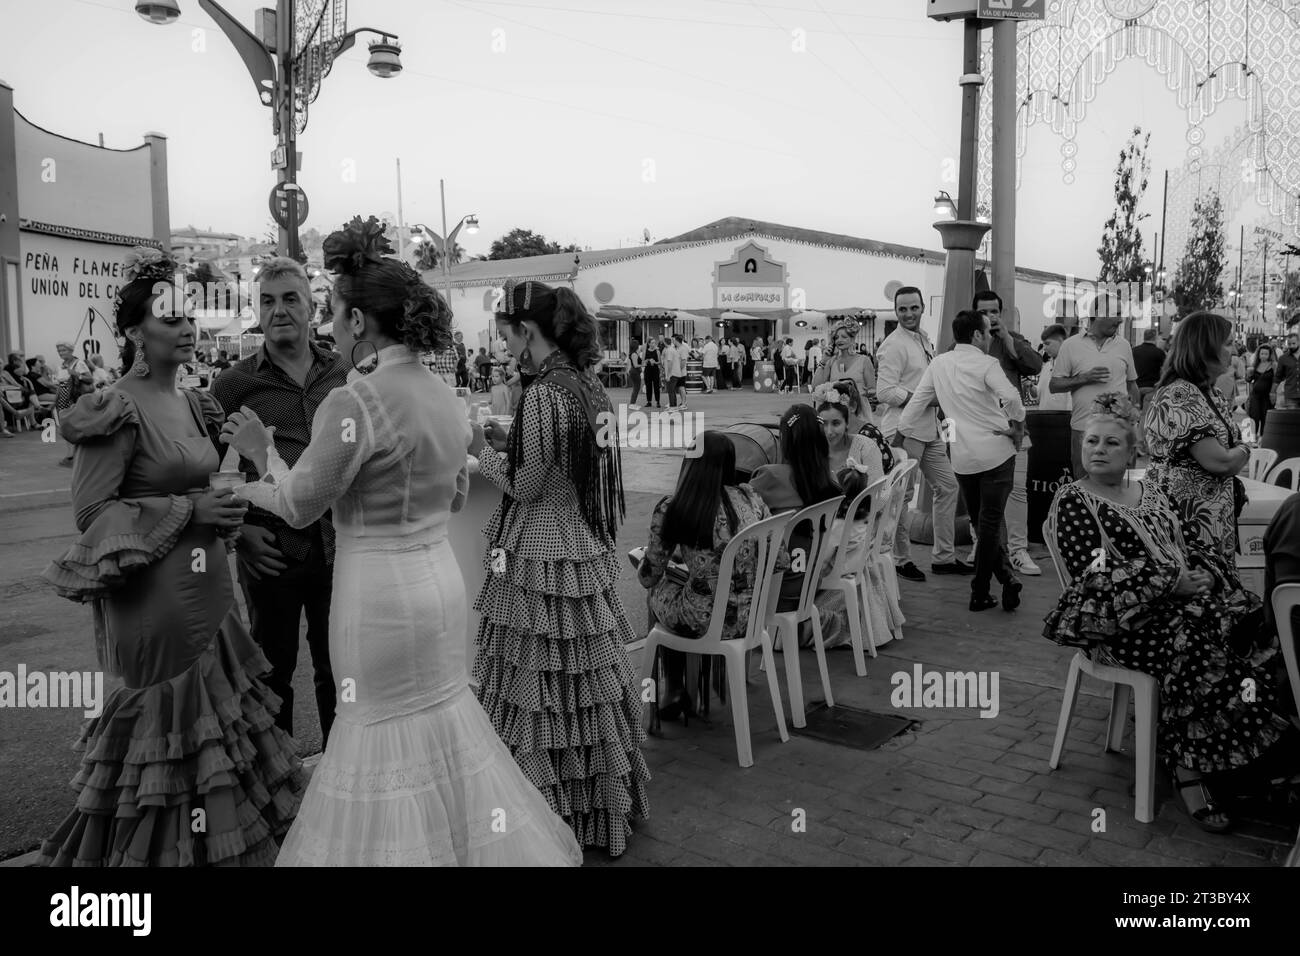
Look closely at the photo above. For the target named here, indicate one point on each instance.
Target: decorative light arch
(1207, 50)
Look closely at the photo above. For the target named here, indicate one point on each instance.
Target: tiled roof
(559, 267)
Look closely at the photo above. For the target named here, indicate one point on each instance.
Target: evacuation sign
(1012, 10)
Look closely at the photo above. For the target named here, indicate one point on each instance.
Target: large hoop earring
(139, 367)
(369, 367)
(526, 360)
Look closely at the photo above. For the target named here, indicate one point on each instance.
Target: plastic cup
(221, 480)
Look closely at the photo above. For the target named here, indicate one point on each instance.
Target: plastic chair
(785, 624)
(883, 554)
(848, 569)
(1286, 597)
(766, 536)
(1261, 461)
(1124, 682)
(1291, 465)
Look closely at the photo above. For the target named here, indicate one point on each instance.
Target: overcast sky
(590, 121)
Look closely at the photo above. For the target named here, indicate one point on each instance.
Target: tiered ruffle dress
(552, 668)
(1126, 603)
(414, 773)
(193, 728)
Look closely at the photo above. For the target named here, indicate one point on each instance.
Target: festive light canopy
(1207, 51)
(319, 26)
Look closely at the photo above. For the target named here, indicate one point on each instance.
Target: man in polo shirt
(1021, 364)
(1288, 372)
(904, 356)
(286, 571)
(1088, 366)
(985, 419)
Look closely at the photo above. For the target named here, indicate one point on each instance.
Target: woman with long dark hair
(414, 774)
(552, 668)
(651, 371)
(696, 523)
(1195, 445)
(1260, 377)
(191, 734)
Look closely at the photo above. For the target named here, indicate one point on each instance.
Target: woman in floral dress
(552, 670)
(1195, 445)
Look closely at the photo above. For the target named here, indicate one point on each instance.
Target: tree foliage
(1120, 251)
(1198, 282)
(520, 243)
(430, 255)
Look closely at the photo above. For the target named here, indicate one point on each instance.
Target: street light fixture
(287, 65)
(944, 207)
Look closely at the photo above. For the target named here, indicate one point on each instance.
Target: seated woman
(697, 522)
(833, 415)
(859, 422)
(1178, 614)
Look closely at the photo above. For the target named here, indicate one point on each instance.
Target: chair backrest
(1291, 465)
(766, 537)
(880, 490)
(821, 516)
(1049, 538)
(1286, 597)
(1261, 463)
(901, 481)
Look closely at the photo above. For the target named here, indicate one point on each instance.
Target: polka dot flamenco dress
(552, 670)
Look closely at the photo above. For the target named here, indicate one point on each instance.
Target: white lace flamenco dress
(414, 773)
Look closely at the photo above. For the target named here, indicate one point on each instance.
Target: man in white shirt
(1088, 366)
(985, 424)
(1053, 338)
(710, 363)
(904, 356)
(674, 369)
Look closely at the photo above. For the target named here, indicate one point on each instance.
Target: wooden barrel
(694, 376)
(1282, 432)
(756, 445)
(765, 377)
(1049, 466)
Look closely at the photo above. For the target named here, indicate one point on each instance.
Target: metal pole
(1004, 167)
(401, 223)
(1263, 284)
(446, 250)
(284, 95)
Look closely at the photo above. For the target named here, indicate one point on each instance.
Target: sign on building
(1012, 9)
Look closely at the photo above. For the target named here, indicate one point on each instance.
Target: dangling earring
(139, 367)
(526, 360)
(370, 366)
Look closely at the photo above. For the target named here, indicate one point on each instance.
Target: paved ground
(958, 789)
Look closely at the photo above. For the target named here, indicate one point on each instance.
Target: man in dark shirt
(1148, 359)
(286, 571)
(1288, 372)
(1021, 363)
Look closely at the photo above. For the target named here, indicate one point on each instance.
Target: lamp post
(287, 66)
(470, 224)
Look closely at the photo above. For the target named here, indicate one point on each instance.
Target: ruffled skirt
(191, 771)
(557, 685)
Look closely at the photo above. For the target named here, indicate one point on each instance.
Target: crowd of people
(355, 458)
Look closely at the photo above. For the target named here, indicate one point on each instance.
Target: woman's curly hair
(368, 278)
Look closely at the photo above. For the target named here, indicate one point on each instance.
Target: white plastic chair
(1291, 465)
(901, 477)
(848, 570)
(766, 536)
(1261, 462)
(1124, 682)
(1285, 598)
(785, 624)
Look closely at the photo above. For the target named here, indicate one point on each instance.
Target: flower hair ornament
(1117, 405)
(348, 250)
(146, 262)
(827, 392)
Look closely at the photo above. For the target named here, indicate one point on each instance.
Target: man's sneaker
(954, 566)
(1023, 563)
(910, 571)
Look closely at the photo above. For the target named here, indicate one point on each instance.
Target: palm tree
(430, 258)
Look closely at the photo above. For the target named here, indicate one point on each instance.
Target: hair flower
(1117, 405)
(146, 262)
(349, 249)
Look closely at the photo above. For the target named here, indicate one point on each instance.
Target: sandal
(1209, 817)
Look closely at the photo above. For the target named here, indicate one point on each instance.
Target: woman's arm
(543, 416)
(657, 554)
(1216, 458)
(342, 440)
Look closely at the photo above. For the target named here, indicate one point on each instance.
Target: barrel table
(756, 445)
(1049, 467)
(694, 376)
(1282, 432)
(765, 377)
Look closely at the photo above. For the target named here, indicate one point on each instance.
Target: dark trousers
(275, 606)
(636, 385)
(652, 393)
(675, 383)
(462, 375)
(724, 373)
(986, 497)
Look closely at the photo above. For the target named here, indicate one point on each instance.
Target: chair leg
(864, 595)
(1119, 697)
(793, 673)
(855, 608)
(1144, 711)
(740, 708)
(819, 647)
(774, 687)
(1067, 711)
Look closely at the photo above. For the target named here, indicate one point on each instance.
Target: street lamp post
(286, 81)
(470, 223)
